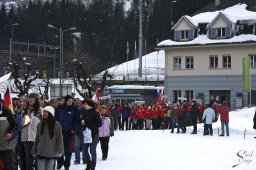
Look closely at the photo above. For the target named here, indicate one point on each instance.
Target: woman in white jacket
(208, 117)
(30, 121)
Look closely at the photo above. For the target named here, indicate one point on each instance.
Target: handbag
(87, 134)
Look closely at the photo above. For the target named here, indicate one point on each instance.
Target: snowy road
(158, 150)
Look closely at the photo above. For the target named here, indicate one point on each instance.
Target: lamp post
(11, 39)
(14, 24)
(61, 51)
(171, 12)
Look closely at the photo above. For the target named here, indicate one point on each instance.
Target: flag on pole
(95, 97)
(127, 48)
(246, 74)
(8, 99)
(135, 52)
(159, 96)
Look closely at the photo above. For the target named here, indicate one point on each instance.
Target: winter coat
(224, 114)
(174, 113)
(115, 112)
(92, 121)
(126, 112)
(209, 115)
(194, 112)
(28, 132)
(68, 117)
(7, 125)
(79, 129)
(185, 115)
(254, 121)
(168, 113)
(46, 147)
(104, 130)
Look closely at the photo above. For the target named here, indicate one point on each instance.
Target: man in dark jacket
(8, 130)
(68, 116)
(194, 116)
(92, 121)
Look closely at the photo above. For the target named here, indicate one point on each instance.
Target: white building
(204, 60)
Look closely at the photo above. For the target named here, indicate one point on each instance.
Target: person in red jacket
(154, 117)
(201, 108)
(224, 118)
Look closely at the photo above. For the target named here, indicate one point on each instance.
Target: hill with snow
(153, 68)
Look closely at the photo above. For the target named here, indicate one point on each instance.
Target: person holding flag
(8, 129)
(8, 100)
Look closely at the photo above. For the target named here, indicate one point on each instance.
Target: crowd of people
(168, 116)
(40, 134)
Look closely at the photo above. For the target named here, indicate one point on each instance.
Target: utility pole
(140, 39)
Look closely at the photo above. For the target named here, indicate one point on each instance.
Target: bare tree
(22, 84)
(83, 80)
(45, 85)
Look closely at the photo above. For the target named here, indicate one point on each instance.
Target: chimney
(217, 3)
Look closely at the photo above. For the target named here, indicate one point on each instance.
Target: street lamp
(171, 12)
(11, 39)
(14, 24)
(61, 51)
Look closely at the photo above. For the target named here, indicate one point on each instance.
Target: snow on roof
(203, 39)
(194, 22)
(153, 62)
(135, 87)
(234, 13)
(127, 5)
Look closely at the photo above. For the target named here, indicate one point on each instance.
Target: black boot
(88, 167)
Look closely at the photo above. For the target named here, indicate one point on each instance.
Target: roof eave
(204, 45)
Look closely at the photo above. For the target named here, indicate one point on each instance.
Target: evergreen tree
(3, 24)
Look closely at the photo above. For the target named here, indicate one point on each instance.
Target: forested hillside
(103, 27)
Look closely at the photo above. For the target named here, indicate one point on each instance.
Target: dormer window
(221, 32)
(184, 34)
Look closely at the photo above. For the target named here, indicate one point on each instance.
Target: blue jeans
(79, 147)
(91, 160)
(45, 164)
(222, 128)
(67, 140)
(173, 123)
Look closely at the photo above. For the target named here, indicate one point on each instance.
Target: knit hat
(33, 95)
(67, 97)
(90, 102)
(49, 109)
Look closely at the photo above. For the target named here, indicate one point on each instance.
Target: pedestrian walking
(92, 121)
(49, 143)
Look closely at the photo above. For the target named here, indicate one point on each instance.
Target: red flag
(160, 97)
(95, 97)
(8, 100)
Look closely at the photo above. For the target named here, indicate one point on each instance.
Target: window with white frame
(226, 60)
(184, 34)
(253, 61)
(213, 62)
(176, 95)
(177, 63)
(221, 32)
(189, 94)
(189, 62)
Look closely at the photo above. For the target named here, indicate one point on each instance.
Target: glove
(59, 155)
(34, 155)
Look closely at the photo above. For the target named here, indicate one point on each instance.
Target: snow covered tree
(22, 84)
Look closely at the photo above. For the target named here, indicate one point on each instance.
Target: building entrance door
(219, 96)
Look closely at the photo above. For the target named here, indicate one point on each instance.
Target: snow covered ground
(161, 150)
